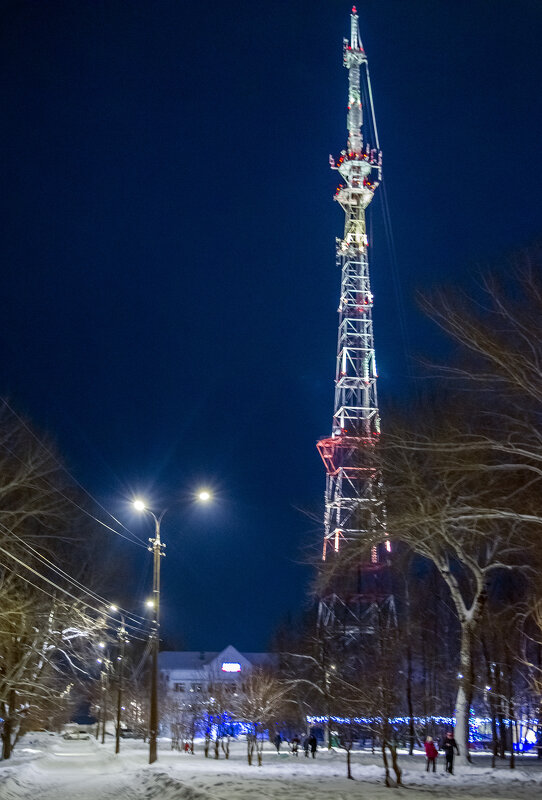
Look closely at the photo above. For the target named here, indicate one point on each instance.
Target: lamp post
(156, 547)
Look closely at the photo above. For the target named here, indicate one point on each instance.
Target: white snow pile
(471, 776)
(164, 786)
(11, 787)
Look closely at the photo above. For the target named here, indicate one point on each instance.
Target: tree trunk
(499, 712)
(348, 764)
(395, 764)
(386, 767)
(408, 633)
(511, 708)
(411, 733)
(491, 700)
(462, 710)
(502, 732)
(495, 743)
(7, 731)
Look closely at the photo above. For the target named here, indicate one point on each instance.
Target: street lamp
(156, 547)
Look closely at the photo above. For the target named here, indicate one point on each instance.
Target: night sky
(169, 281)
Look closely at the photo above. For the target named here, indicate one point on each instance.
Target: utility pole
(157, 551)
(120, 675)
(104, 698)
(156, 548)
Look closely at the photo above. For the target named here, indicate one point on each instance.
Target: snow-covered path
(50, 768)
(69, 769)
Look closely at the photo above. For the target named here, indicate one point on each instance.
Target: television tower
(353, 500)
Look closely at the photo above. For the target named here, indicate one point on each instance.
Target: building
(195, 671)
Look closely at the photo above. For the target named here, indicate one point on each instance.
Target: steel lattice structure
(353, 501)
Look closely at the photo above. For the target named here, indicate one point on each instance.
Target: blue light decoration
(312, 720)
(527, 728)
(216, 726)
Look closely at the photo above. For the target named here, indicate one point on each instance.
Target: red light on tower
(354, 10)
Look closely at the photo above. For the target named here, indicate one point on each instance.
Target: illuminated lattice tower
(353, 501)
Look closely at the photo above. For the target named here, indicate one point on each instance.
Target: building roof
(199, 660)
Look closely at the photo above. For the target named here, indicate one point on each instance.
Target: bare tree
(51, 623)
(180, 713)
(217, 698)
(464, 522)
(260, 700)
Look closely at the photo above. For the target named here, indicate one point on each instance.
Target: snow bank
(164, 786)
(12, 787)
(471, 777)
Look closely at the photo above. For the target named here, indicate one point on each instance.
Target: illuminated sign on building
(231, 666)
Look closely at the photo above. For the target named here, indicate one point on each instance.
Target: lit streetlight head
(113, 607)
(204, 495)
(139, 505)
(150, 603)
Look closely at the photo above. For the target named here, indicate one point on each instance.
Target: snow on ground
(47, 767)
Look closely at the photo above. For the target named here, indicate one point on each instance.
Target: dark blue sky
(169, 285)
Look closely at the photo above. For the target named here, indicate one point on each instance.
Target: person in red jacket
(431, 753)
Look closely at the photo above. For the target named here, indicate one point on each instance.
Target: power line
(135, 617)
(102, 611)
(395, 276)
(388, 230)
(53, 597)
(135, 540)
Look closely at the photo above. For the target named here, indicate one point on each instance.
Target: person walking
(313, 744)
(295, 745)
(306, 745)
(431, 753)
(450, 745)
(277, 742)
